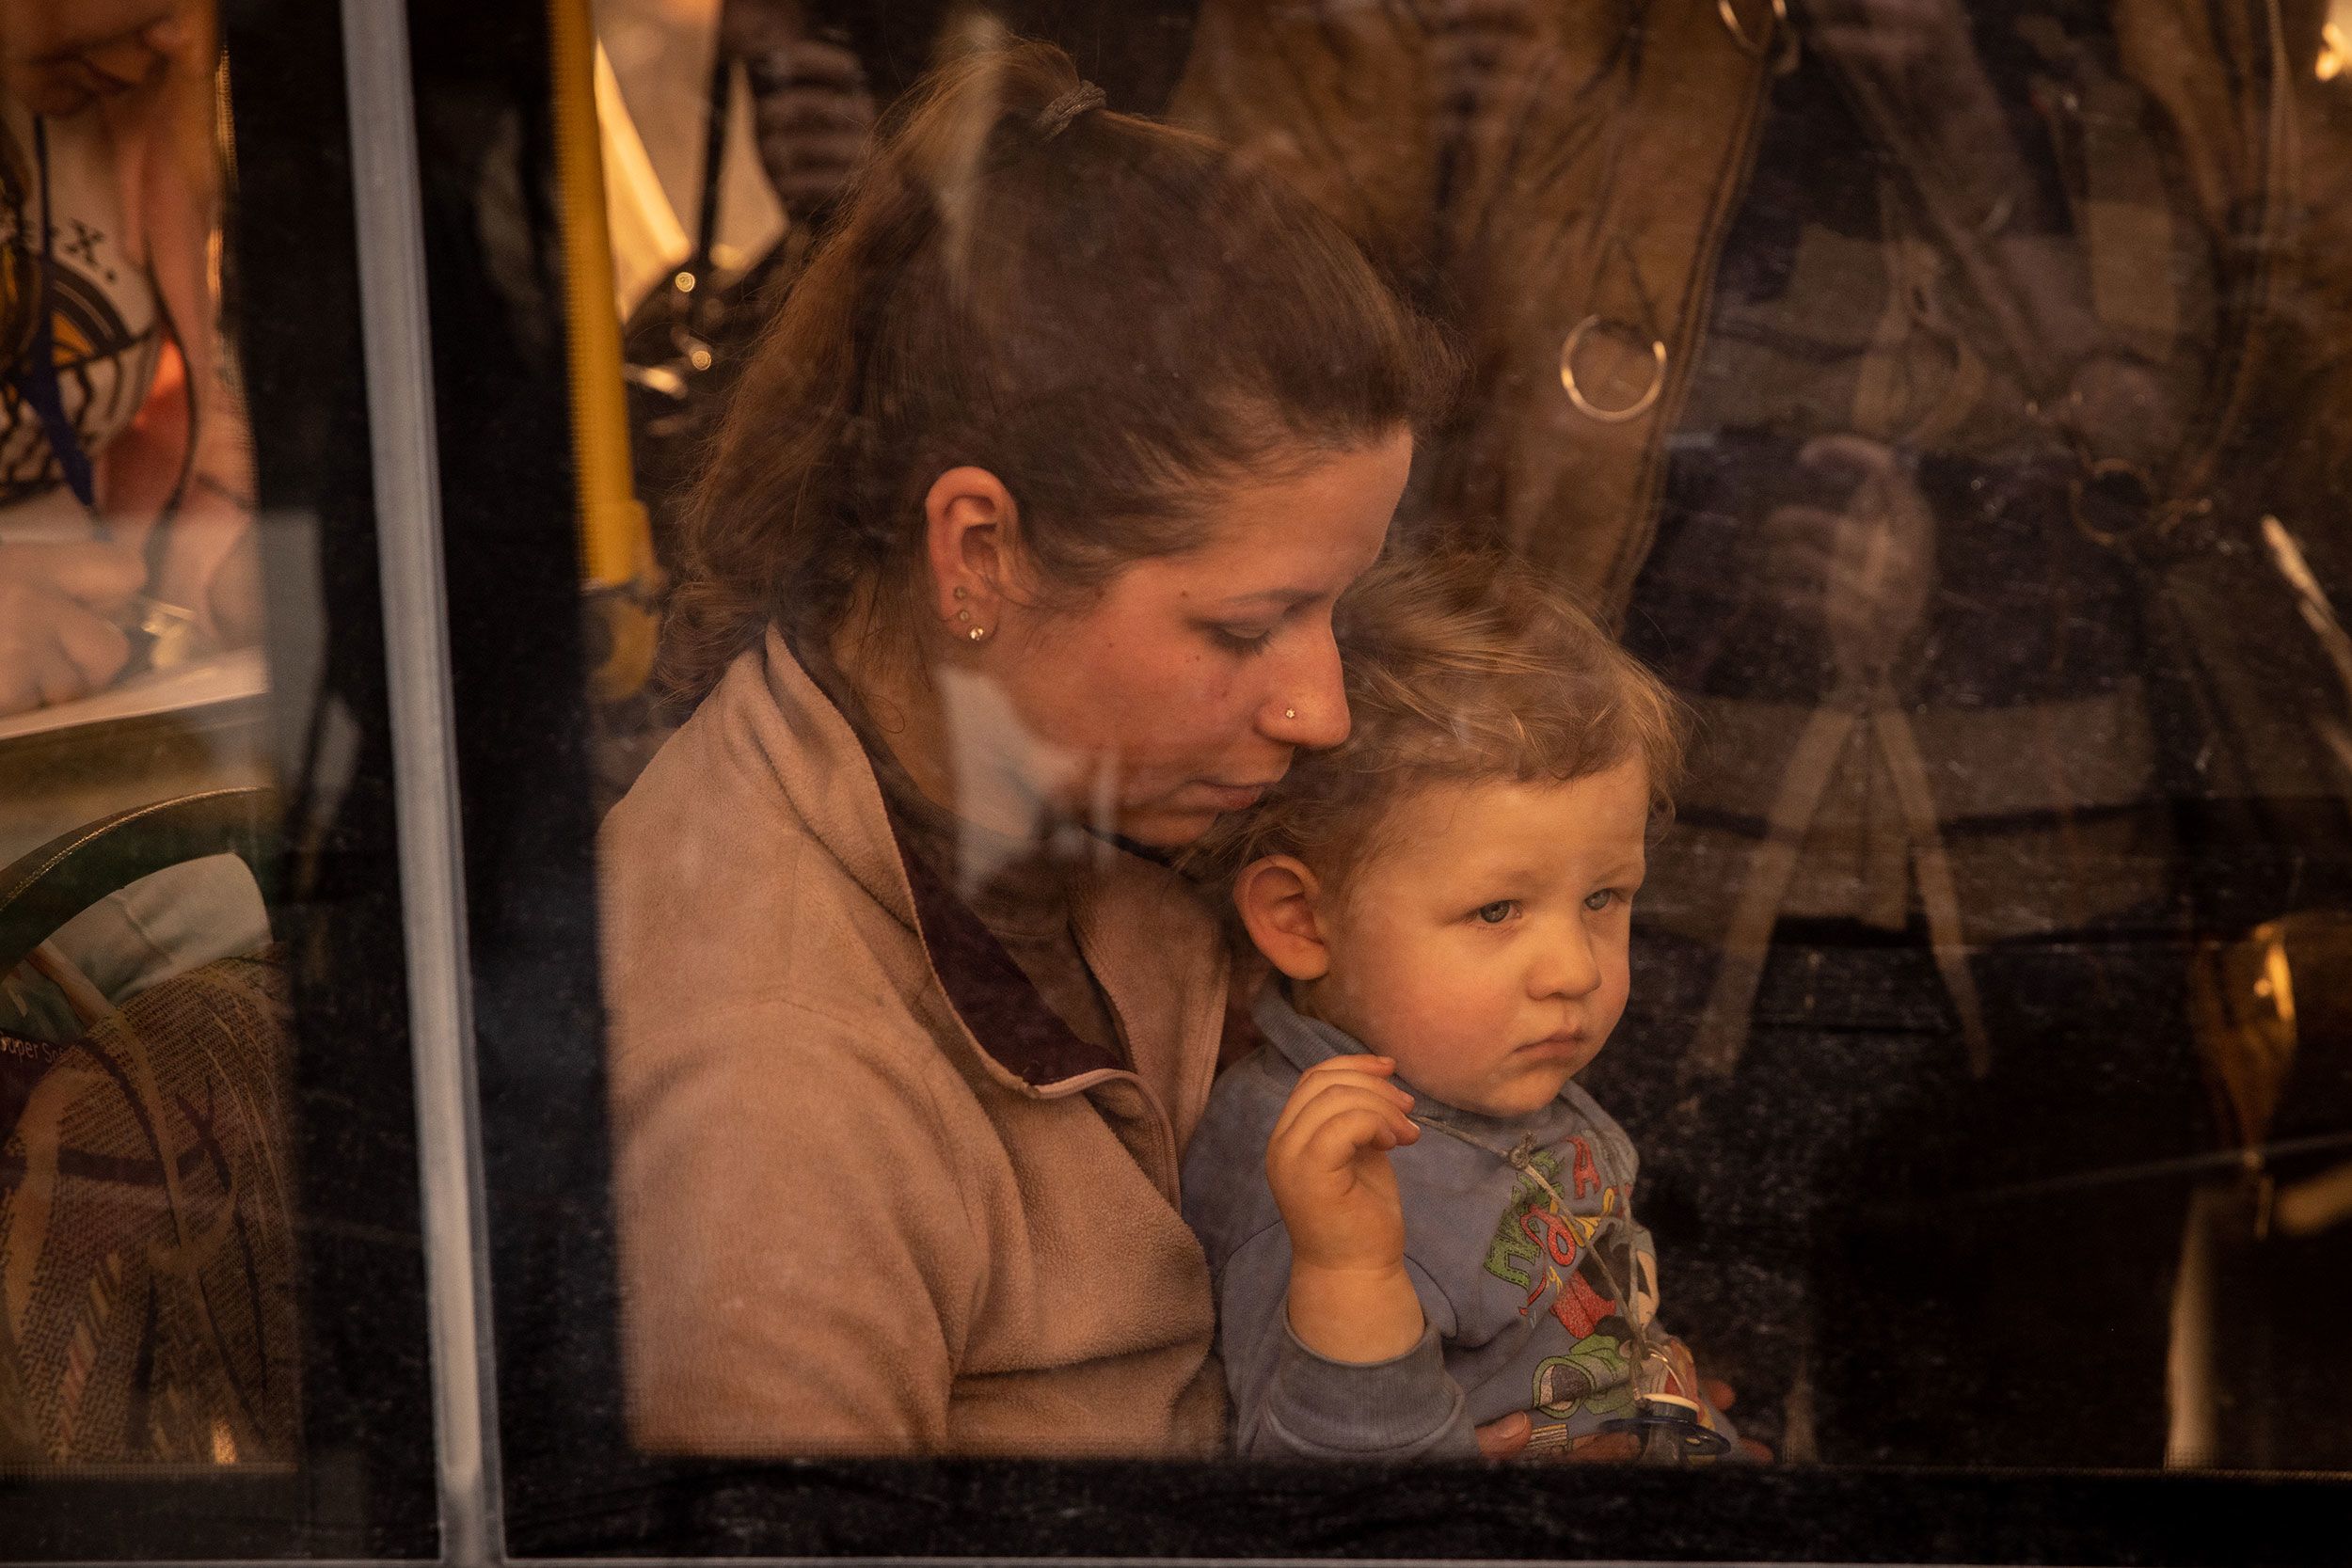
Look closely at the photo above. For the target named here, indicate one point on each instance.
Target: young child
(1416, 1222)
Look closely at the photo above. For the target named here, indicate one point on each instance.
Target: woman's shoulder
(700, 847)
(721, 892)
(707, 803)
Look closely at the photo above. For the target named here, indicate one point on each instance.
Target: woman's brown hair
(1113, 316)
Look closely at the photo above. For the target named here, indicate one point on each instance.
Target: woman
(1014, 564)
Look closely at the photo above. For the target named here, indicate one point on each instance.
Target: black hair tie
(1055, 117)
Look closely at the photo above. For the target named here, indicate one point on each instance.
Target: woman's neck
(958, 767)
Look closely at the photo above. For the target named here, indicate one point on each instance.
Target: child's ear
(1281, 903)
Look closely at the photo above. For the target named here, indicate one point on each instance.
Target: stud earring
(963, 592)
(963, 616)
(1290, 713)
(976, 633)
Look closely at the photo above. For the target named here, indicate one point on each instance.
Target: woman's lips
(1232, 797)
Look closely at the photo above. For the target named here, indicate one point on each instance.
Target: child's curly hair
(1460, 666)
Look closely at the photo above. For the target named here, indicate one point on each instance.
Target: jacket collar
(830, 783)
(1302, 1041)
(998, 1002)
(822, 772)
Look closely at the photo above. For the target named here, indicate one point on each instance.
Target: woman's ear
(971, 532)
(1282, 905)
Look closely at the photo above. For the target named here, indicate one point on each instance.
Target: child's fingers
(1336, 1095)
(1322, 1167)
(1363, 1065)
(1308, 1143)
(1357, 1071)
(1334, 1144)
(1362, 1061)
(1342, 1121)
(1311, 1089)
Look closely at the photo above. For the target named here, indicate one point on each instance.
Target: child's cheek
(1461, 1011)
(1427, 1007)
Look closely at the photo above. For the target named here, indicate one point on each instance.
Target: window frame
(557, 1478)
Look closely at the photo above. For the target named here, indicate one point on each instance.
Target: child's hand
(1327, 1162)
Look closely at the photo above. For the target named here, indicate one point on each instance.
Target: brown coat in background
(1573, 207)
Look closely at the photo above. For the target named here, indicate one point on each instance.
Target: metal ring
(2078, 486)
(1591, 410)
(1756, 46)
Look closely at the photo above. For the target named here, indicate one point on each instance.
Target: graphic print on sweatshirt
(1567, 1242)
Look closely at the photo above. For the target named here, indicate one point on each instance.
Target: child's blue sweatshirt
(1539, 1288)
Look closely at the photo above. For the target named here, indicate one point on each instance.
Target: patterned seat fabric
(147, 1251)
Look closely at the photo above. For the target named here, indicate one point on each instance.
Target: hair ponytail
(1107, 313)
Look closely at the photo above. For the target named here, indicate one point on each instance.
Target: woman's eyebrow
(1288, 598)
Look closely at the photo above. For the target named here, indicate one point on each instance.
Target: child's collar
(1303, 1041)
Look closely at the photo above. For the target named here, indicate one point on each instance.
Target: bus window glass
(206, 1140)
(1721, 616)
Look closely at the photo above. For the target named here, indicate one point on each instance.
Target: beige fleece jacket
(871, 1197)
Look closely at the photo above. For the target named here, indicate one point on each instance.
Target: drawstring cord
(1522, 1158)
(1649, 1355)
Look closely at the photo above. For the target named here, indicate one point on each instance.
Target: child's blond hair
(1460, 668)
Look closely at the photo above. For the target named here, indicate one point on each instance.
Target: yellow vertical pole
(616, 546)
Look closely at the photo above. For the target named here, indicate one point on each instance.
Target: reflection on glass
(146, 1199)
(1924, 391)
(1942, 523)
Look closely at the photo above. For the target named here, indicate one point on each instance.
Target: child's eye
(1596, 902)
(1495, 913)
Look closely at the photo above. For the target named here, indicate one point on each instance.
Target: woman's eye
(1495, 913)
(1241, 639)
